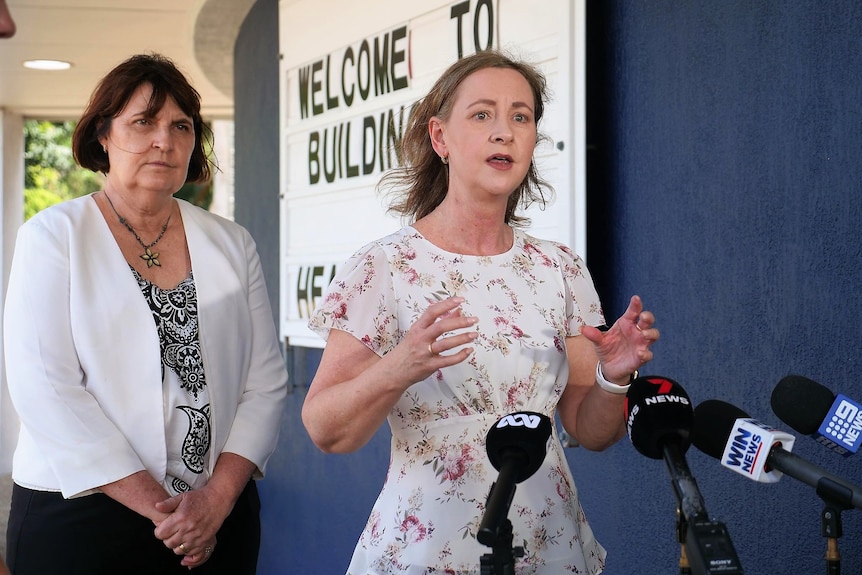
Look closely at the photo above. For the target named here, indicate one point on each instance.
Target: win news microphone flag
(741, 444)
(812, 409)
(759, 452)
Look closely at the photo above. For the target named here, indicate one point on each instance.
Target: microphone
(812, 409)
(659, 419)
(761, 453)
(658, 411)
(742, 444)
(517, 445)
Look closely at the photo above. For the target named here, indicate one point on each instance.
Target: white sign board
(350, 72)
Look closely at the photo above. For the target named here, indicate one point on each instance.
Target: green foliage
(48, 144)
(50, 173)
(198, 194)
(37, 199)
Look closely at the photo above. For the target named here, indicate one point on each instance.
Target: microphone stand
(501, 561)
(681, 528)
(706, 542)
(837, 498)
(495, 531)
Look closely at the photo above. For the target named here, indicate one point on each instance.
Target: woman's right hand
(423, 349)
(354, 389)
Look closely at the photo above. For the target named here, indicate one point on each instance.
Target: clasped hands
(193, 518)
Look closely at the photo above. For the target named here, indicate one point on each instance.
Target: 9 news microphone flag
(812, 409)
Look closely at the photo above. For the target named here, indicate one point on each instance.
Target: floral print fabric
(528, 300)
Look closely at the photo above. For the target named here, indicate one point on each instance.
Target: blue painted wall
(725, 187)
(256, 141)
(725, 182)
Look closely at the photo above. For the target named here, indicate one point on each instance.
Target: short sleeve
(583, 306)
(360, 300)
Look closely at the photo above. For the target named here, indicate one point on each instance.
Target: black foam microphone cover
(801, 403)
(658, 410)
(523, 435)
(713, 423)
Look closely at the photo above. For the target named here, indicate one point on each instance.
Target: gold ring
(183, 547)
(431, 349)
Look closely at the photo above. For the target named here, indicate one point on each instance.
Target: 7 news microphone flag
(659, 420)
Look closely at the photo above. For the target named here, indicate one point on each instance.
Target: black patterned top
(186, 399)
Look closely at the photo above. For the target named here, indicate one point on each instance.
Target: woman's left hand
(625, 347)
(197, 557)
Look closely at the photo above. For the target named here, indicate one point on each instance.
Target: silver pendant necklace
(149, 256)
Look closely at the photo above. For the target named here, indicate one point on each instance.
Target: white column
(11, 218)
(223, 182)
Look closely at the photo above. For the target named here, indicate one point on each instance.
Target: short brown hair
(421, 183)
(113, 93)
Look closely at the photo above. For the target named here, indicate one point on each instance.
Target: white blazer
(82, 353)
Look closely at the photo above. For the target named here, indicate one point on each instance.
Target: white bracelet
(611, 387)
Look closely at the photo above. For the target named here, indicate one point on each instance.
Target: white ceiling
(96, 35)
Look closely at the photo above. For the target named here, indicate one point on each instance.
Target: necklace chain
(152, 258)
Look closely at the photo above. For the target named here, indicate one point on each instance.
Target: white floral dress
(528, 300)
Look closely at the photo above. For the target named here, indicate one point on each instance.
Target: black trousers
(95, 535)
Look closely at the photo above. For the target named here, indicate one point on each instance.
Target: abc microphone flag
(517, 446)
(523, 436)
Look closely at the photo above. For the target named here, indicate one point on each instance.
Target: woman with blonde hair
(460, 318)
